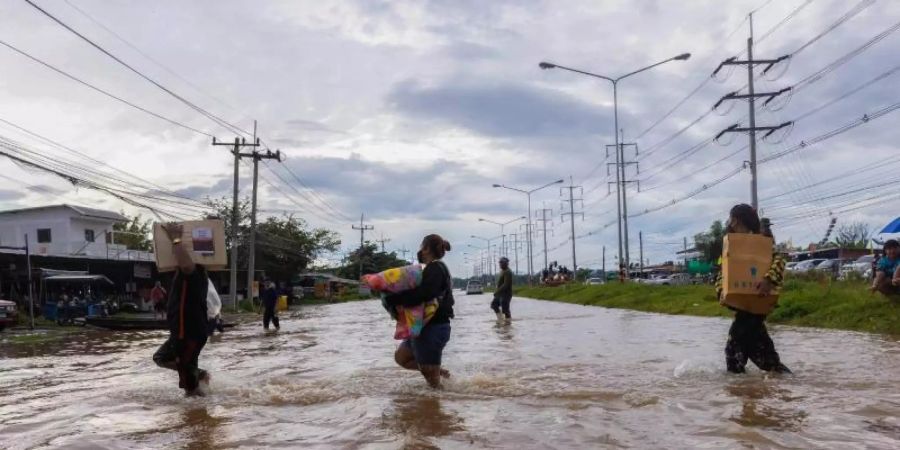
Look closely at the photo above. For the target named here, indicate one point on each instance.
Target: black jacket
(186, 314)
(436, 283)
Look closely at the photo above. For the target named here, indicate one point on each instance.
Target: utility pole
(404, 251)
(685, 255)
(516, 250)
(604, 263)
(572, 215)
(251, 254)
(751, 97)
(641, 240)
(544, 220)
(382, 241)
(622, 183)
(362, 236)
(235, 216)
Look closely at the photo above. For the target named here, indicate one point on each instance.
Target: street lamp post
(503, 250)
(621, 203)
(528, 222)
(490, 255)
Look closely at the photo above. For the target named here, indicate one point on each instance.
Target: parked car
(670, 280)
(9, 314)
(860, 266)
(474, 287)
(594, 281)
(807, 265)
(828, 266)
(789, 266)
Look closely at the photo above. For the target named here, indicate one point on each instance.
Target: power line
(102, 91)
(187, 102)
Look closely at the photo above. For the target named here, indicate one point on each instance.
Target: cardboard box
(205, 239)
(746, 258)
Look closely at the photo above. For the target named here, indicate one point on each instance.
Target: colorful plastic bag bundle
(410, 319)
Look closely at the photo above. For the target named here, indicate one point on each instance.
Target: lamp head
(497, 185)
(481, 220)
(560, 181)
(683, 57)
(546, 65)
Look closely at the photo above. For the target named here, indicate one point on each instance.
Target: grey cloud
(499, 109)
(9, 194)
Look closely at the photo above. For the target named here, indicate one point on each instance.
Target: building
(66, 231)
(70, 238)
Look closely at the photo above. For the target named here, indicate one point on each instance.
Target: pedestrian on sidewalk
(269, 299)
(503, 294)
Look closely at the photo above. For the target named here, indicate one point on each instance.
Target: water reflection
(764, 405)
(201, 429)
(504, 331)
(418, 419)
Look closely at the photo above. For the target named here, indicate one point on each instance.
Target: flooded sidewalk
(559, 376)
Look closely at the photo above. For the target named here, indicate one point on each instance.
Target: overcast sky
(408, 111)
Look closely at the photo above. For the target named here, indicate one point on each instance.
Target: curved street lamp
(528, 222)
(621, 203)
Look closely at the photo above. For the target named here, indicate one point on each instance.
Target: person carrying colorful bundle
(748, 337)
(424, 352)
(410, 319)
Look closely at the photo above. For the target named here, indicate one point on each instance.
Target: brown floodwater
(560, 376)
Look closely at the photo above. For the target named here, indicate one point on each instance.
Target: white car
(594, 281)
(807, 265)
(670, 280)
(860, 266)
(474, 287)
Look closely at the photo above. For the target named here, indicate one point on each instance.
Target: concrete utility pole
(362, 237)
(571, 201)
(604, 263)
(251, 253)
(751, 97)
(685, 255)
(544, 219)
(404, 251)
(622, 183)
(641, 240)
(382, 241)
(515, 237)
(235, 215)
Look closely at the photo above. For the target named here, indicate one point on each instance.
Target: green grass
(838, 305)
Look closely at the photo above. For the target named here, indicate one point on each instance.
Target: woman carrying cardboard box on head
(751, 274)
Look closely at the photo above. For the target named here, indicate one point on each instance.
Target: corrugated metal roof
(81, 210)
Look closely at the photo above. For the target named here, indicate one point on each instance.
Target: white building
(66, 230)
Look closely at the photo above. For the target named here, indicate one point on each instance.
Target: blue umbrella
(893, 227)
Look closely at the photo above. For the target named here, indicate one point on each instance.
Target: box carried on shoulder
(205, 239)
(746, 258)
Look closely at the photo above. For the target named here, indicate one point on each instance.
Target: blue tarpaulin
(893, 227)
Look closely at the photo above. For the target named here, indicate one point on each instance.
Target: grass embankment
(839, 305)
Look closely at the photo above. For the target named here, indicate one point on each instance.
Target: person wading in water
(503, 295)
(748, 337)
(187, 318)
(423, 353)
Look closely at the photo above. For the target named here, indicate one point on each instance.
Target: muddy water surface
(560, 376)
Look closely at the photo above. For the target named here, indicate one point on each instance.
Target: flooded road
(560, 376)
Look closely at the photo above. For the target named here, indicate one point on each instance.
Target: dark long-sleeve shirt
(504, 284)
(435, 285)
(186, 314)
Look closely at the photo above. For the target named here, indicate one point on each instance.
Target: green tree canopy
(709, 243)
(134, 234)
(373, 261)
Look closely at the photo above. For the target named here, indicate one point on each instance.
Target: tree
(853, 235)
(373, 261)
(709, 243)
(134, 233)
(285, 246)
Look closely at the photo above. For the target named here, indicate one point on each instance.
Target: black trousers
(501, 303)
(183, 356)
(270, 315)
(749, 339)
